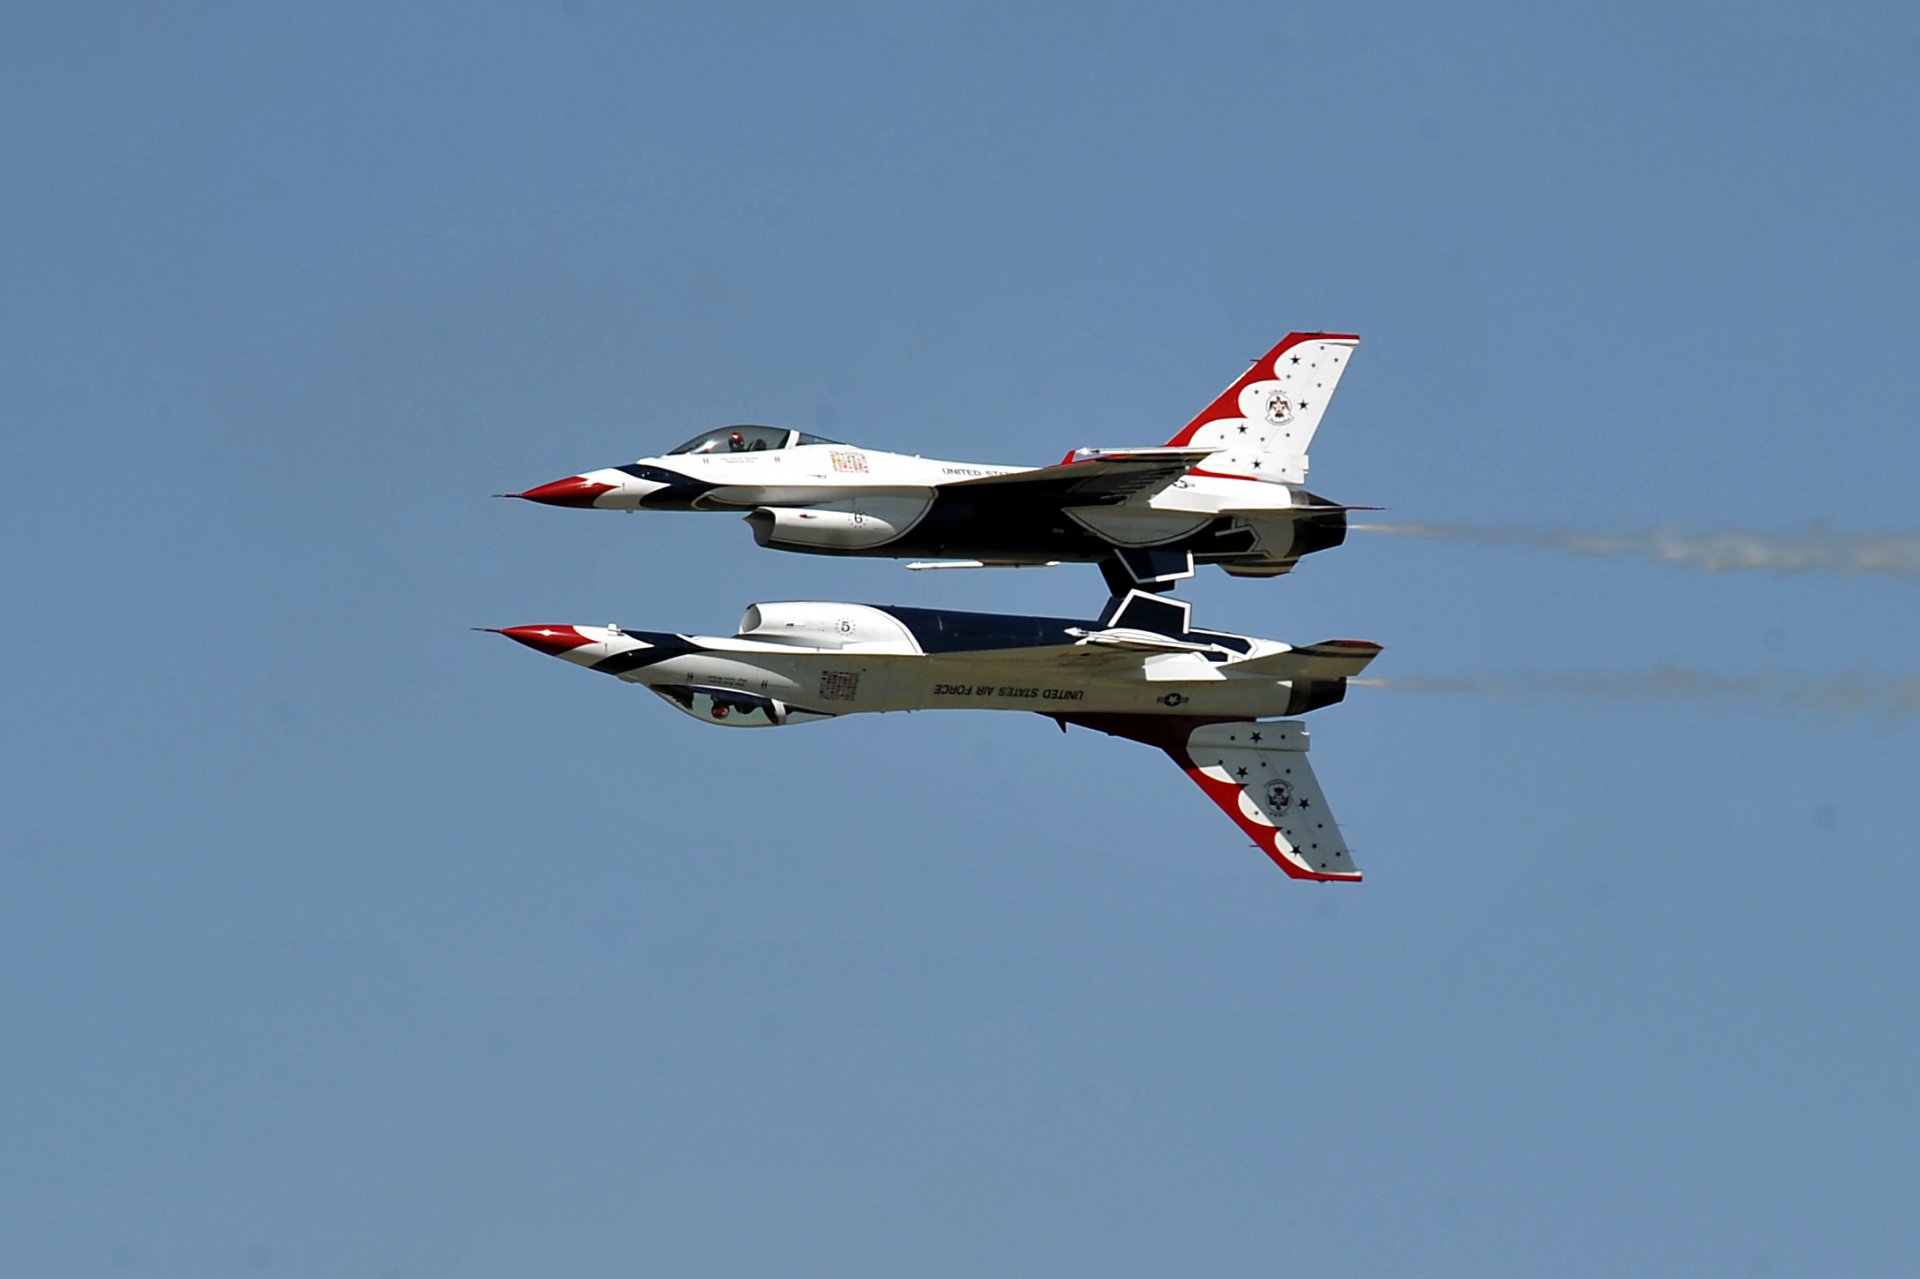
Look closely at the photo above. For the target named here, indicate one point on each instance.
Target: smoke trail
(1819, 549)
(1843, 693)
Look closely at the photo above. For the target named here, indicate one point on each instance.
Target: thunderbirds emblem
(1279, 796)
(1279, 409)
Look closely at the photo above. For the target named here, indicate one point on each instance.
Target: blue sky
(339, 940)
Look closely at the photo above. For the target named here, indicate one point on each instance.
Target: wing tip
(1297, 867)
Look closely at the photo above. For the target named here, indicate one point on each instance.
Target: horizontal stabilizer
(1329, 659)
(1268, 512)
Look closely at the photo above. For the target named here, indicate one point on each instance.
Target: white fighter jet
(1140, 671)
(1227, 489)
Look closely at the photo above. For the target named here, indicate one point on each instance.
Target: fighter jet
(1226, 489)
(1141, 671)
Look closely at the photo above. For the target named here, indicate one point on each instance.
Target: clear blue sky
(337, 940)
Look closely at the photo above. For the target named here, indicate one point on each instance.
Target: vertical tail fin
(1257, 772)
(1262, 425)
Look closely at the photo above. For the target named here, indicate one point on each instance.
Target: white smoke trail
(1817, 550)
(1842, 693)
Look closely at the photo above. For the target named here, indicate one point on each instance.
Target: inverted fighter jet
(1226, 489)
(1140, 671)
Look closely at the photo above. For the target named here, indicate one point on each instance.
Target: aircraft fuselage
(1140, 672)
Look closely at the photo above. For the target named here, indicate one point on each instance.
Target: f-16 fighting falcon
(1141, 671)
(1226, 489)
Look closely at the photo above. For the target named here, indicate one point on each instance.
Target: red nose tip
(547, 639)
(575, 490)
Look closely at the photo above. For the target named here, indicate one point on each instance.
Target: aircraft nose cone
(575, 490)
(552, 640)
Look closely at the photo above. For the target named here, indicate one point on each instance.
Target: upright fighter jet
(1140, 671)
(1227, 489)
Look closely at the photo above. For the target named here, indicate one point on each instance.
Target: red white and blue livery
(1139, 671)
(1228, 489)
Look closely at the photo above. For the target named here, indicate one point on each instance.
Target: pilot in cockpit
(747, 439)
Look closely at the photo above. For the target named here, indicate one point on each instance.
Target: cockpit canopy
(749, 439)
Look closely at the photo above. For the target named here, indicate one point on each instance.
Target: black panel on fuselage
(956, 526)
(663, 646)
(939, 630)
(682, 493)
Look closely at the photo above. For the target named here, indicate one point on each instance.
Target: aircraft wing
(1089, 477)
(1257, 772)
